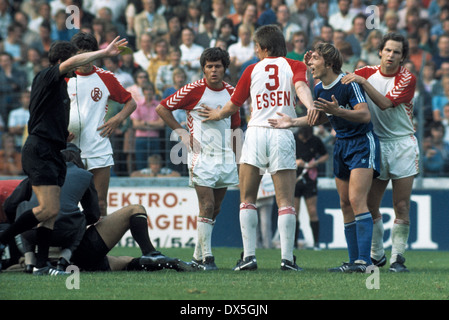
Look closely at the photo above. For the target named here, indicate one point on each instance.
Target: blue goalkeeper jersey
(348, 96)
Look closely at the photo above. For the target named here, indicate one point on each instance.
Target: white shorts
(213, 172)
(98, 162)
(399, 158)
(269, 149)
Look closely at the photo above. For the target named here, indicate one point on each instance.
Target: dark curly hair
(215, 54)
(61, 51)
(85, 41)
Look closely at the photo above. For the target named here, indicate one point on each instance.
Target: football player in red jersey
(269, 84)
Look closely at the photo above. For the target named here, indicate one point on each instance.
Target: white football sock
(377, 245)
(399, 238)
(248, 226)
(205, 227)
(287, 228)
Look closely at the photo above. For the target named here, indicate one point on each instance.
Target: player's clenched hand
(283, 122)
(209, 114)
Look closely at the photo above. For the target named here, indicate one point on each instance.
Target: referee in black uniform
(42, 160)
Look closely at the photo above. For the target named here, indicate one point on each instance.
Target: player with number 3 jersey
(272, 84)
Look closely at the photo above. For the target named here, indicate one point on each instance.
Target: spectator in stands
(112, 64)
(160, 58)
(299, 42)
(18, 119)
(5, 18)
(106, 14)
(2, 130)
(439, 100)
(432, 159)
(225, 32)
(128, 64)
(239, 8)
(143, 56)
(44, 42)
(60, 30)
(343, 18)
(13, 43)
(268, 16)
(140, 80)
(301, 14)
(32, 64)
(173, 36)
(320, 19)
(10, 158)
(249, 18)
(391, 23)
(147, 124)
(445, 122)
(327, 34)
(43, 14)
(193, 17)
(358, 34)
(283, 19)
(12, 82)
(149, 21)
(164, 77)
(155, 169)
(191, 53)
(442, 54)
(219, 12)
(370, 49)
(241, 51)
(437, 133)
(206, 38)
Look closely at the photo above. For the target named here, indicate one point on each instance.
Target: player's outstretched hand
(210, 114)
(283, 122)
(113, 48)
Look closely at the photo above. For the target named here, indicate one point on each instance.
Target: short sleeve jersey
(49, 106)
(348, 96)
(270, 84)
(400, 89)
(89, 94)
(214, 136)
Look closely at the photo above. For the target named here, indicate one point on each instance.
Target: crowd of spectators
(168, 37)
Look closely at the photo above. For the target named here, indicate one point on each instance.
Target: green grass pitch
(428, 280)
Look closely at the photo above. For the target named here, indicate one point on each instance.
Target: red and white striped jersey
(89, 94)
(399, 88)
(214, 136)
(270, 84)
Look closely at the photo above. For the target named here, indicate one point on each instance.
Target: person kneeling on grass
(88, 248)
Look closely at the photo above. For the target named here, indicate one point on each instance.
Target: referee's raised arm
(113, 49)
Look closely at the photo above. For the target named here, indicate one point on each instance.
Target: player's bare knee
(402, 209)
(137, 208)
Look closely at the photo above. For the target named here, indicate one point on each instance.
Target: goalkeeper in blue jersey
(356, 151)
